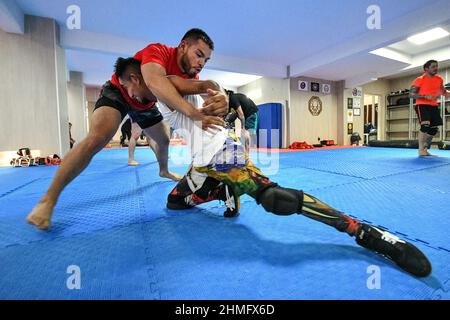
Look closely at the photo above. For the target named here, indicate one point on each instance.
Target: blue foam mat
(112, 222)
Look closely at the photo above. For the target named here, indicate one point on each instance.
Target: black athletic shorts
(111, 96)
(426, 112)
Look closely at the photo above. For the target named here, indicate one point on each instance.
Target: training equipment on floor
(26, 160)
(410, 144)
(444, 145)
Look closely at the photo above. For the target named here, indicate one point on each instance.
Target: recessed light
(428, 36)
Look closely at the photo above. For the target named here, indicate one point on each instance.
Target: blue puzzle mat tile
(113, 223)
(112, 265)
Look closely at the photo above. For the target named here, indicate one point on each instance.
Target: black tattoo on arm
(414, 93)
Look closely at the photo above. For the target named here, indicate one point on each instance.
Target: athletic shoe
(404, 254)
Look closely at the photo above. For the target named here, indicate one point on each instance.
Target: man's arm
(190, 86)
(155, 78)
(445, 92)
(216, 99)
(414, 94)
(241, 116)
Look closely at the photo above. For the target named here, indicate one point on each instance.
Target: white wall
(76, 96)
(332, 122)
(271, 90)
(92, 94)
(306, 127)
(61, 93)
(381, 88)
(405, 82)
(33, 99)
(301, 125)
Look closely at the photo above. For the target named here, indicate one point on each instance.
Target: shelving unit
(401, 119)
(398, 117)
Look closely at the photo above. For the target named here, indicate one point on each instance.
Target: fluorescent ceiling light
(392, 54)
(428, 36)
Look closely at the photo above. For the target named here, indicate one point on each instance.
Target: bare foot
(425, 153)
(171, 176)
(41, 215)
(133, 163)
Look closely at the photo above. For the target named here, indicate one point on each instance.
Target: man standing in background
(247, 112)
(427, 89)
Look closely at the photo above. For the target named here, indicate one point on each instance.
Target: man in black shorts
(121, 96)
(427, 89)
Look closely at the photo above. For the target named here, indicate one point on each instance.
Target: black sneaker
(232, 202)
(404, 254)
(176, 202)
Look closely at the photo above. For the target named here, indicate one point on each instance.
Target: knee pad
(425, 128)
(432, 131)
(176, 202)
(282, 201)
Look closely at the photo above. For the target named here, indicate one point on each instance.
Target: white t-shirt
(204, 144)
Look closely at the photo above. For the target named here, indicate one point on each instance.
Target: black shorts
(429, 113)
(110, 96)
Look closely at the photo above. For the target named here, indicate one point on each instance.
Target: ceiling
(416, 70)
(326, 39)
(412, 49)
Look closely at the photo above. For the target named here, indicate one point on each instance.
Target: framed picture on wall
(349, 128)
(349, 103)
(357, 111)
(315, 87)
(357, 92)
(302, 85)
(350, 116)
(326, 88)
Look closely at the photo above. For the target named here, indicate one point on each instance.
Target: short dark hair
(198, 34)
(125, 66)
(428, 63)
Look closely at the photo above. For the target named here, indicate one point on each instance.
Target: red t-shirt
(133, 103)
(161, 54)
(428, 86)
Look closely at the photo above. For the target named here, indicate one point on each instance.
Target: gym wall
(272, 90)
(305, 126)
(33, 90)
(76, 98)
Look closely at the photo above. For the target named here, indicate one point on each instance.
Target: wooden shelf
(399, 120)
(397, 94)
(399, 106)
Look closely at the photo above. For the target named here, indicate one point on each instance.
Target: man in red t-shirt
(123, 95)
(427, 89)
